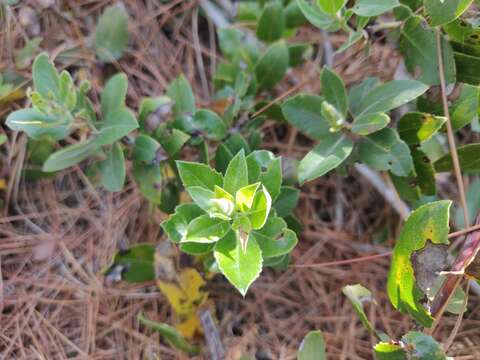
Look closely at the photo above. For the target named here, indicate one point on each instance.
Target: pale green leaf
(114, 94)
(373, 7)
(317, 17)
(37, 124)
(333, 90)
(115, 126)
(111, 34)
(45, 76)
(245, 195)
(197, 174)
(176, 225)
(205, 229)
(415, 127)
(370, 123)
(312, 347)
(444, 11)
(181, 93)
(112, 169)
(236, 175)
(69, 156)
(331, 7)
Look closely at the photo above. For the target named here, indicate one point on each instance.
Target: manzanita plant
(236, 217)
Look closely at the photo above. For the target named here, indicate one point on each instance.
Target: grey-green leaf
(111, 35)
(181, 93)
(271, 24)
(116, 125)
(317, 17)
(114, 94)
(370, 123)
(37, 124)
(69, 156)
(312, 347)
(384, 150)
(444, 11)
(112, 169)
(304, 112)
(324, 157)
(391, 95)
(333, 90)
(45, 76)
(374, 7)
(423, 346)
(273, 65)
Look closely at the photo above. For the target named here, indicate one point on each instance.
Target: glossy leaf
(111, 34)
(467, 155)
(236, 175)
(245, 195)
(389, 351)
(176, 225)
(442, 12)
(261, 205)
(428, 222)
(416, 128)
(333, 90)
(370, 123)
(317, 17)
(241, 267)
(303, 112)
(272, 66)
(391, 95)
(275, 244)
(312, 347)
(271, 24)
(201, 196)
(331, 7)
(205, 229)
(373, 7)
(324, 157)
(384, 150)
(69, 156)
(112, 169)
(419, 48)
(197, 174)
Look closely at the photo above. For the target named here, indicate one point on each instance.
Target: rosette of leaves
(231, 217)
(60, 108)
(352, 123)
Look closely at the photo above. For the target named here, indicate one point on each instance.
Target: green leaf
(205, 229)
(419, 48)
(331, 7)
(230, 41)
(333, 90)
(136, 264)
(286, 201)
(114, 94)
(303, 112)
(428, 222)
(37, 124)
(389, 351)
(115, 126)
(240, 267)
(172, 140)
(194, 248)
(236, 175)
(384, 150)
(145, 149)
(170, 196)
(112, 169)
(271, 24)
(275, 243)
(245, 195)
(464, 110)
(209, 123)
(373, 7)
(442, 12)
(317, 17)
(176, 225)
(181, 93)
(359, 92)
(69, 156)
(312, 347)
(468, 68)
(261, 205)
(201, 196)
(170, 334)
(473, 204)
(149, 180)
(45, 77)
(467, 155)
(3, 139)
(416, 128)
(294, 17)
(223, 156)
(111, 34)
(391, 95)
(425, 172)
(358, 295)
(197, 174)
(298, 53)
(370, 123)
(324, 157)
(24, 56)
(264, 167)
(423, 346)
(272, 65)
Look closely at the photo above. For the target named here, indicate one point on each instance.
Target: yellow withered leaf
(185, 296)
